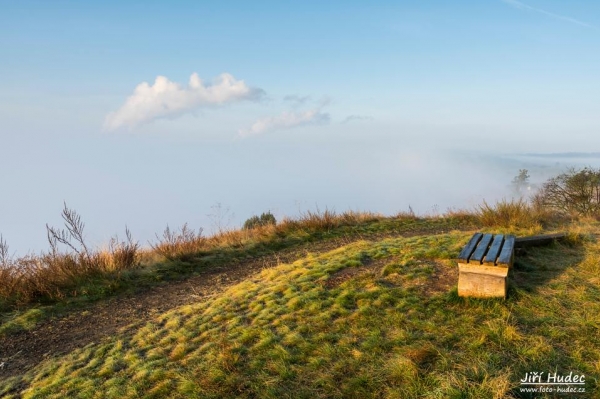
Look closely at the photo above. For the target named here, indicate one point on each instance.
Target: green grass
(286, 334)
(17, 321)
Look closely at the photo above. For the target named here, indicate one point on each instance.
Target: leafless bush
(74, 231)
(574, 192)
(221, 217)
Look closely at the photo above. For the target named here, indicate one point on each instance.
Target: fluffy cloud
(286, 120)
(167, 99)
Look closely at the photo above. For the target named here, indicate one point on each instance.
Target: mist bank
(220, 186)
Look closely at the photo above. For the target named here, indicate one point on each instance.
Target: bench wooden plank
(481, 248)
(492, 255)
(467, 251)
(506, 254)
(534, 241)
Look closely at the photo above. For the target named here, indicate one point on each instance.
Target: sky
(148, 113)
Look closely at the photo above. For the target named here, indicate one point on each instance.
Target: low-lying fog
(149, 182)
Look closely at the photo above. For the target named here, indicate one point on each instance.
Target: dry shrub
(355, 217)
(514, 213)
(307, 222)
(45, 275)
(123, 255)
(317, 220)
(61, 273)
(55, 274)
(575, 192)
(230, 238)
(462, 215)
(286, 225)
(325, 220)
(263, 233)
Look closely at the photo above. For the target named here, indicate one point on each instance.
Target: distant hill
(565, 155)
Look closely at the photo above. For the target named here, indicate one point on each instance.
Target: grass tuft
(511, 214)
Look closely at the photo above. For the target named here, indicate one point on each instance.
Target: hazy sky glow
(148, 113)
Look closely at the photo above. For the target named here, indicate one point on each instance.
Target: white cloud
(286, 120)
(167, 99)
(523, 6)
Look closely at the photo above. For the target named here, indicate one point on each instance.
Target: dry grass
(78, 270)
(173, 244)
(57, 274)
(83, 271)
(307, 222)
(461, 214)
(511, 214)
(326, 220)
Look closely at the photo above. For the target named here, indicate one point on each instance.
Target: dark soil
(442, 279)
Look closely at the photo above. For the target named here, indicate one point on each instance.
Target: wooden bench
(483, 265)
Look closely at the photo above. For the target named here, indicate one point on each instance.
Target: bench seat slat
(467, 251)
(506, 254)
(481, 249)
(492, 255)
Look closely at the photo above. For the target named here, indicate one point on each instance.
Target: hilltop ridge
(361, 308)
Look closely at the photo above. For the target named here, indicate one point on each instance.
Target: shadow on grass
(535, 267)
(562, 333)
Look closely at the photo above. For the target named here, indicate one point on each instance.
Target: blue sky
(293, 104)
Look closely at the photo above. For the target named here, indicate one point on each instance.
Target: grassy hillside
(362, 308)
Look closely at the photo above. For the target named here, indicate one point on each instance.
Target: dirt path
(21, 351)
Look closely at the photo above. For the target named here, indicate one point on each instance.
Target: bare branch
(75, 227)
(59, 236)
(5, 258)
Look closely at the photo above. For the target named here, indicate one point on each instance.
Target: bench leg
(479, 281)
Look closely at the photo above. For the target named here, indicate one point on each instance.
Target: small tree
(521, 181)
(265, 219)
(575, 191)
